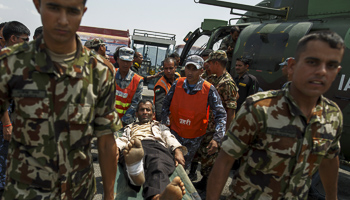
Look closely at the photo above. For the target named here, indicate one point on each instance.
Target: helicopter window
(199, 46)
(217, 45)
(264, 49)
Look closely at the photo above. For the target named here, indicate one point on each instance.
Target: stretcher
(124, 192)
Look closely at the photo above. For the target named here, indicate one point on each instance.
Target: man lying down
(150, 155)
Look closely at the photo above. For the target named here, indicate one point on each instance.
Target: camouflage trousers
(207, 161)
(192, 145)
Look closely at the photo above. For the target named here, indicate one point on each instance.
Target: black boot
(193, 175)
(202, 184)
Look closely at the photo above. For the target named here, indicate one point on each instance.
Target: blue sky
(169, 16)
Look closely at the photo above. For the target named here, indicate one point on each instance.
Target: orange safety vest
(162, 82)
(124, 97)
(189, 113)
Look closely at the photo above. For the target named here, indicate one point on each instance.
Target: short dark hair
(38, 31)
(169, 59)
(234, 29)
(222, 62)
(174, 55)
(143, 101)
(136, 55)
(331, 38)
(116, 53)
(96, 48)
(245, 61)
(14, 28)
(2, 24)
(84, 2)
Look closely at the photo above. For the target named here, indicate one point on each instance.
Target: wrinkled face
(192, 74)
(314, 70)
(145, 113)
(124, 66)
(60, 19)
(234, 35)
(241, 68)
(169, 69)
(139, 58)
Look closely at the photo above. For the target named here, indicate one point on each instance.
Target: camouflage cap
(126, 53)
(96, 42)
(88, 44)
(217, 55)
(195, 60)
(285, 62)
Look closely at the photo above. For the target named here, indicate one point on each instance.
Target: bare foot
(174, 191)
(133, 153)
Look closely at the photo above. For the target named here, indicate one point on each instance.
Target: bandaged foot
(133, 155)
(174, 191)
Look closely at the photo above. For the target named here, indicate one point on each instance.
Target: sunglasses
(26, 39)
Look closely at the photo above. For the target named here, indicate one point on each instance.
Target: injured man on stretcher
(150, 154)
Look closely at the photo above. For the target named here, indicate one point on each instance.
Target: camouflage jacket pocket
(33, 176)
(272, 151)
(80, 124)
(322, 139)
(31, 123)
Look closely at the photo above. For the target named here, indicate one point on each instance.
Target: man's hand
(179, 157)
(107, 153)
(7, 131)
(229, 49)
(212, 147)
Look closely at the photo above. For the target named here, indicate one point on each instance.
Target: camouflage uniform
(59, 108)
(225, 43)
(280, 149)
(228, 92)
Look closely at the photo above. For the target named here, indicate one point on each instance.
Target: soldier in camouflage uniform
(99, 46)
(285, 136)
(228, 91)
(228, 44)
(63, 96)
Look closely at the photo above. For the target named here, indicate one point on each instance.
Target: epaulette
(15, 49)
(330, 102)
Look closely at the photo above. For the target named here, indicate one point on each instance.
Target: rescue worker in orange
(129, 87)
(189, 100)
(163, 85)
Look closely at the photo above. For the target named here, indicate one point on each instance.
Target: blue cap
(286, 61)
(126, 53)
(195, 60)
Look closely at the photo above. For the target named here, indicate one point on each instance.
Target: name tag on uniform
(242, 84)
(121, 94)
(29, 93)
(284, 132)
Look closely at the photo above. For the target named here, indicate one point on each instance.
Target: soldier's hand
(7, 131)
(212, 147)
(179, 157)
